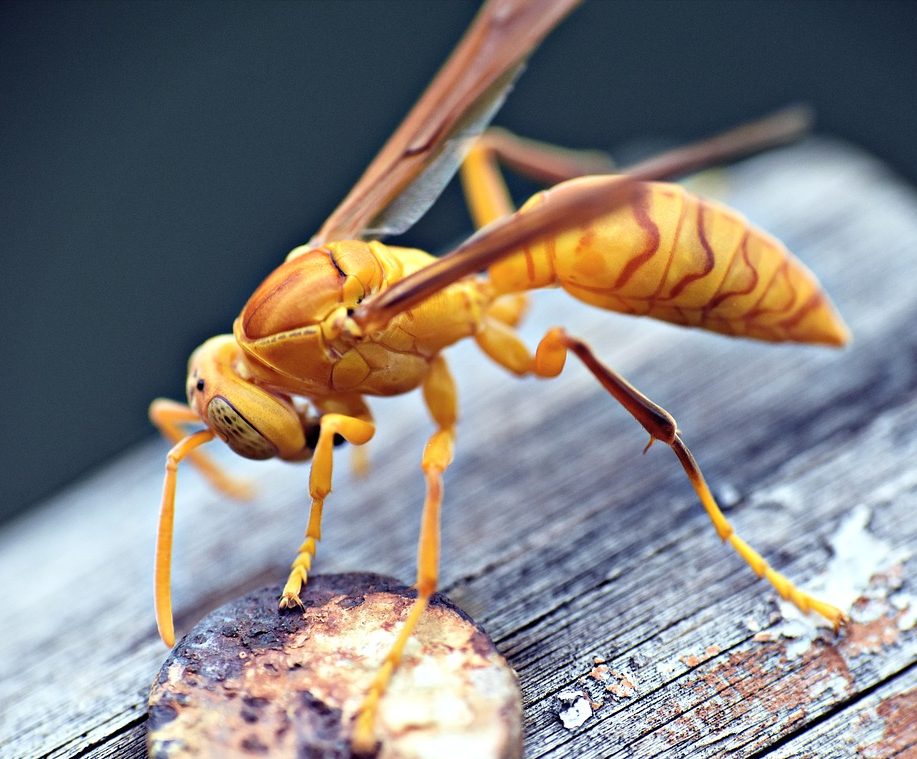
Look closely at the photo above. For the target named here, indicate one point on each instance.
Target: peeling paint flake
(752, 625)
(623, 685)
(907, 605)
(600, 672)
(861, 572)
(692, 660)
(575, 709)
(669, 669)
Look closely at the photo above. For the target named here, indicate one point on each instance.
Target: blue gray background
(158, 159)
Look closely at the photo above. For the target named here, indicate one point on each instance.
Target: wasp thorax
(237, 432)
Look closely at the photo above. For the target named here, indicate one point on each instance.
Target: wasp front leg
(350, 418)
(169, 416)
(441, 400)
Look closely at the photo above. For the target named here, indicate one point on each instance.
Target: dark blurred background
(158, 159)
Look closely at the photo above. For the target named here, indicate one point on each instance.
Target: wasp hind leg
(485, 191)
(549, 361)
(356, 427)
(488, 198)
(505, 348)
(441, 400)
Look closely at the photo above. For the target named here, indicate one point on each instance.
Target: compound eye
(238, 433)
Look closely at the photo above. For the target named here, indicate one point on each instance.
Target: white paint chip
(669, 669)
(577, 708)
(858, 555)
(906, 603)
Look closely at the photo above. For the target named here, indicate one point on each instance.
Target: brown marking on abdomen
(720, 297)
(708, 252)
(650, 228)
(668, 264)
(529, 263)
(815, 301)
(756, 311)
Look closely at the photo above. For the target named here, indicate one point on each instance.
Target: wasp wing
(418, 160)
(569, 204)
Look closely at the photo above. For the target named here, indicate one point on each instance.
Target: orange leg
(488, 198)
(163, 568)
(356, 428)
(505, 347)
(485, 191)
(549, 361)
(440, 397)
(169, 416)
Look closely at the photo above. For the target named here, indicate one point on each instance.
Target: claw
(289, 600)
(829, 612)
(363, 742)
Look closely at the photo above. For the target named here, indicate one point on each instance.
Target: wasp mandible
(346, 316)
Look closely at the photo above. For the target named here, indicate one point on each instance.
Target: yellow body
(294, 329)
(668, 254)
(682, 259)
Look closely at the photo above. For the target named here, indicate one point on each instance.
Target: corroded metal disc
(249, 680)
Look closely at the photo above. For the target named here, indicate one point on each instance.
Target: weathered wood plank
(558, 536)
(702, 684)
(879, 725)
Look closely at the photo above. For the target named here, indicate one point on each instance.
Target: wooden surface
(559, 537)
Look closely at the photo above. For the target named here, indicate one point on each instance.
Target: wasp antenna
(162, 594)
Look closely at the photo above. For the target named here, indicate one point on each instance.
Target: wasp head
(254, 422)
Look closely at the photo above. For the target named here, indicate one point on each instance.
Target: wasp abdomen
(676, 257)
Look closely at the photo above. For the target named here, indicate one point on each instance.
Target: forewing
(562, 207)
(422, 155)
(572, 203)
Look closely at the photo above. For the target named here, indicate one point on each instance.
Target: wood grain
(559, 537)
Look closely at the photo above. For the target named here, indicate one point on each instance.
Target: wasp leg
(485, 191)
(359, 462)
(169, 416)
(488, 198)
(356, 428)
(162, 573)
(503, 346)
(549, 361)
(441, 400)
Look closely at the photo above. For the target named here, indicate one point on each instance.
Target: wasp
(347, 316)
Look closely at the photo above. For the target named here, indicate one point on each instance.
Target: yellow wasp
(346, 316)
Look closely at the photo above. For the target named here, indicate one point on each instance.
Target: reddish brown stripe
(708, 252)
(754, 310)
(626, 308)
(814, 302)
(334, 262)
(668, 263)
(551, 255)
(717, 299)
(649, 227)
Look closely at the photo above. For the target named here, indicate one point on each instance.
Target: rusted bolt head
(250, 680)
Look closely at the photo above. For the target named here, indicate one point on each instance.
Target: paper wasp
(346, 316)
